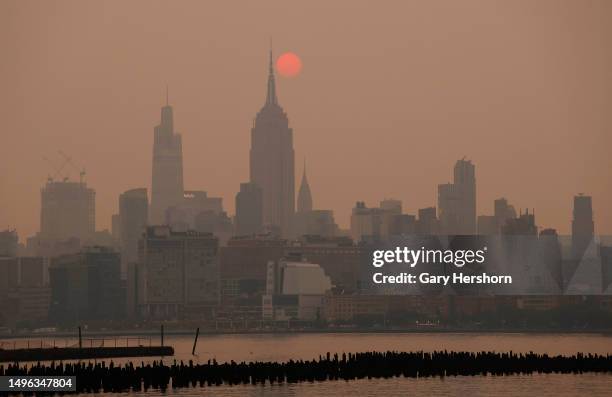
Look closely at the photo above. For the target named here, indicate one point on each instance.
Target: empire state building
(272, 160)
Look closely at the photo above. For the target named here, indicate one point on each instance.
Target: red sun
(289, 64)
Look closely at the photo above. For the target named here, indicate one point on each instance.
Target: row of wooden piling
(102, 377)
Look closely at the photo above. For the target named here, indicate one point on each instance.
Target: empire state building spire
(271, 96)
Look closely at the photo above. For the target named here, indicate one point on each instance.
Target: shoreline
(348, 331)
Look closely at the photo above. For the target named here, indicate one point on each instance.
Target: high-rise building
(403, 224)
(489, 225)
(366, 223)
(524, 225)
(392, 206)
(167, 181)
(503, 211)
(86, 286)
(33, 271)
(249, 210)
(177, 274)
(133, 217)
(583, 226)
(182, 216)
(24, 293)
(391, 217)
(68, 210)
(272, 160)
(9, 243)
(304, 203)
(427, 224)
(116, 230)
(457, 201)
(9, 273)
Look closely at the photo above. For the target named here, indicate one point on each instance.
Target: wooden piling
(195, 342)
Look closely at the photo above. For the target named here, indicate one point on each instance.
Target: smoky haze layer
(390, 96)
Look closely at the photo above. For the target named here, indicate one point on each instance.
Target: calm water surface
(281, 347)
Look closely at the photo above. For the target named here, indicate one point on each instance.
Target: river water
(281, 347)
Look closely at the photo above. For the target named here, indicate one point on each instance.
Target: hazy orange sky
(392, 93)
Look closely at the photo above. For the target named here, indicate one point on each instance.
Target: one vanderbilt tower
(272, 161)
(167, 183)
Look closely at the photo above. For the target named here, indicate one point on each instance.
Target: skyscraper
(68, 210)
(366, 223)
(9, 243)
(272, 160)
(304, 203)
(457, 201)
(167, 181)
(583, 227)
(133, 217)
(182, 217)
(249, 207)
(427, 223)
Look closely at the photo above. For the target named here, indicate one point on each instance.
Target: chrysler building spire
(304, 203)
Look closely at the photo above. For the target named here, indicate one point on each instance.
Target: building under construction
(67, 211)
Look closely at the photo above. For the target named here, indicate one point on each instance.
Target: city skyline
(379, 165)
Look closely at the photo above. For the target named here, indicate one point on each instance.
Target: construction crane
(58, 169)
(68, 160)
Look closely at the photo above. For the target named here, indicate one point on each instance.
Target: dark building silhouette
(167, 180)
(9, 273)
(403, 224)
(32, 271)
(549, 249)
(116, 231)
(9, 242)
(524, 225)
(489, 225)
(86, 286)
(427, 224)
(272, 160)
(133, 217)
(583, 226)
(605, 253)
(249, 210)
(24, 293)
(457, 201)
(503, 211)
(68, 210)
(304, 203)
(393, 221)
